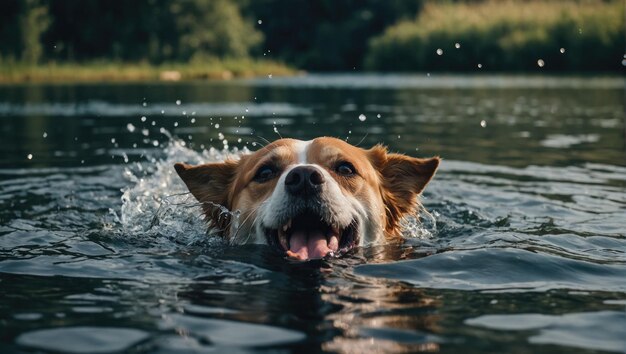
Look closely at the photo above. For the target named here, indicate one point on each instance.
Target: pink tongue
(308, 246)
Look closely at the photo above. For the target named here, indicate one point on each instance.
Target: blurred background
(242, 36)
(524, 246)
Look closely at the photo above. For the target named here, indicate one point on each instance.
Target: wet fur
(387, 182)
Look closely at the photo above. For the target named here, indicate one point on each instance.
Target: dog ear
(209, 183)
(403, 178)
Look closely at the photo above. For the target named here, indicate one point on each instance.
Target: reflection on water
(526, 249)
(576, 329)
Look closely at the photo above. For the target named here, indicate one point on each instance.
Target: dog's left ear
(209, 183)
(403, 178)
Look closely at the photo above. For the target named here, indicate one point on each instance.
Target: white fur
(302, 147)
(337, 208)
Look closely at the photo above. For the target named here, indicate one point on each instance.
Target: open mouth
(307, 236)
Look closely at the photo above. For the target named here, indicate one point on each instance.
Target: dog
(310, 199)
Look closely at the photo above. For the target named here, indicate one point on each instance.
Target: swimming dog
(310, 199)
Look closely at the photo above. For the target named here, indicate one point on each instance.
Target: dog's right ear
(209, 183)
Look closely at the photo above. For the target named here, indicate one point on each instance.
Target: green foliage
(507, 36)
(156, 30)
(325, 34)
(22, 24)
(107, 70)
(33, 22)
(228, 35)
(319, 35)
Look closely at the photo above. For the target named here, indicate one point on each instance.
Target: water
(525, 250)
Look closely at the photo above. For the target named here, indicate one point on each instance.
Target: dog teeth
(282, 238)
(287, 225)
(333, 243)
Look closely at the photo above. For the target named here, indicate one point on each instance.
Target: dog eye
(345, 168)
(264, 174)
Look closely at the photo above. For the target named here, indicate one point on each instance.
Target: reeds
(505, 36)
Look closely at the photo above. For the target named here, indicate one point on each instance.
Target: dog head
(310, 199)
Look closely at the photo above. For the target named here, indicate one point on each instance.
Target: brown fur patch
(403, 179)
(210, 184)
(384, 181)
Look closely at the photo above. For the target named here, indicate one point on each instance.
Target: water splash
(422, 226)
(157, 204)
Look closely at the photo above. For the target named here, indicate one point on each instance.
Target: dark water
(525, 250)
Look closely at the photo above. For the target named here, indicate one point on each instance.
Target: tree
(325, 34)
(34, 20)
(213, 27)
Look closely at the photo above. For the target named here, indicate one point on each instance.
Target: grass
(505, 35)
(208, 69)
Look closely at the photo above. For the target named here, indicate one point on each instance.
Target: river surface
(524, 249)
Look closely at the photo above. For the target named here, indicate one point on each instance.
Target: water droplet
(239, 140)
(457, 45)
(130, 127)
(562, 50)
(112, 140)
(155, 143)
(45, 135)
(270, 76)
(378, 116)
(143, 119)
(623, 62)
(362, 117)
(153, 123)
(541, 63)
(145, 132)
(193, 120)
(480, 66)
(175, 124)
(483, 123)
(217, 125)
(178, 102)
(29, 156)
(260, 22)
(184, 113)
(439, 51)
(144, 104)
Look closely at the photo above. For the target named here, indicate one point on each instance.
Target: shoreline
(119, 73)
(111, 72)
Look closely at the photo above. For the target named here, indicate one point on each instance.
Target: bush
(506, 36)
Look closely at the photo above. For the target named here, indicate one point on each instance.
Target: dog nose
(304, 181)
